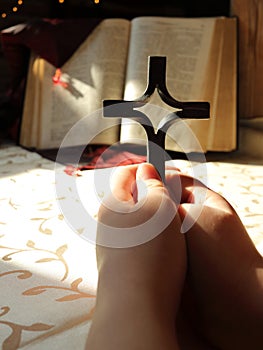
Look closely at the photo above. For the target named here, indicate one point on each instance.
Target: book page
(29, 130)
(186, 43)
(223, 127)
(93, 73)
(219, 133)
(210, 88)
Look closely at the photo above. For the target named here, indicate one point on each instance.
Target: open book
(112, 64)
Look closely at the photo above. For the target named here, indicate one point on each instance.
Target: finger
(148, 174)
(147, 171)
(194, 195)
(153, 192)
(173, 184)
(204, 198)
(190, 192)
(192, 188)
(172, 168)
(180, 185)
(123, 182)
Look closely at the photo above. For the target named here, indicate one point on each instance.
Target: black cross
(156, 140)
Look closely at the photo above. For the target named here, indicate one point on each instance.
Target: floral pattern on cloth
(48, 274)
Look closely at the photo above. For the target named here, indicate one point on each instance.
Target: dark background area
(105, 8)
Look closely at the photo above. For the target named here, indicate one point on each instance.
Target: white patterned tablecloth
(48, 272)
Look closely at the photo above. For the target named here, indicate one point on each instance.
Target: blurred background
(14, 11)
(40, 15)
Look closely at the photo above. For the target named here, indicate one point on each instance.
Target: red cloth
(106, 157)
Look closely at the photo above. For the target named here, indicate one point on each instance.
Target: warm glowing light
(61, 1)
(57, 79)
(14, 9)
(96, 1)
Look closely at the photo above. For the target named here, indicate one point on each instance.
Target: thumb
(148, 181)
(147, 171)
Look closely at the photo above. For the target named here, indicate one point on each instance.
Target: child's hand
(225, 271)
